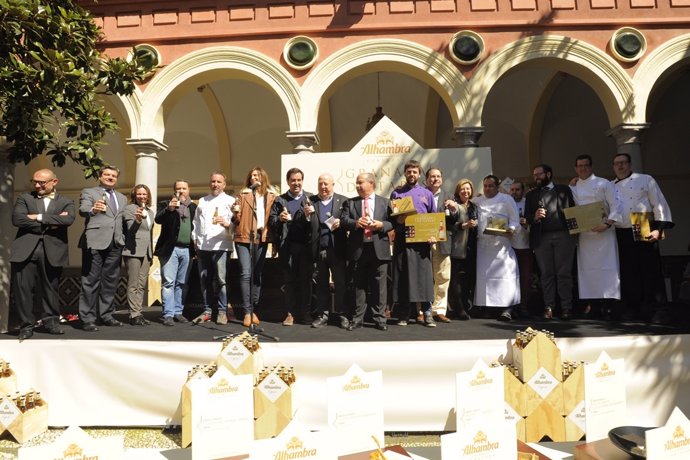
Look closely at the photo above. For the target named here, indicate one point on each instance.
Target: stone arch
(132, 110)
(651, 69)
(601, 72)
(248, 63)
(403, 56)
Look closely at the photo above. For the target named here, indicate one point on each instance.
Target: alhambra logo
(385, 144)
(480, 444)
(605, 371)
(223, 386)
(74, 452)
(355, 384)
(295, 449)
(480, 379)
(679, 440)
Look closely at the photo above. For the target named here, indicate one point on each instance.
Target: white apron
(498, 280)
(597, 253)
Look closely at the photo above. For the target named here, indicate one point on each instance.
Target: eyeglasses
(42, 183)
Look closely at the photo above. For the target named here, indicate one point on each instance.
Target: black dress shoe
(112, 322)
(180, 319)
(506, 315)
(354, 325)
(25, 333)
(55, 330)
(90, 327)
(321, 321)
(139, 321)
(344, 322)
(382, 327)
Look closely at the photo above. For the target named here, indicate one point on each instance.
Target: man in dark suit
(367, 218)
(329, 249)
(553, 246)
(174, 250)
(440, 251)
(290, 222)
(39, 251)
(101, 252)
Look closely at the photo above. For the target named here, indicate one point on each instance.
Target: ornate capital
(302, 141)
(148, 148)
(468, 136)
(627, 133)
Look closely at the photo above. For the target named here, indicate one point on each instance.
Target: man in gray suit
(367, 218)
(101, 252)
(40, 251)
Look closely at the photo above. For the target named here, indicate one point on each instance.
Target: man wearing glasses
(553, 245)
(642, 288)
(39, 252)
(101, 253)
(597, 251)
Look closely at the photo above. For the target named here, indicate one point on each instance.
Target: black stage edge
(475, 329)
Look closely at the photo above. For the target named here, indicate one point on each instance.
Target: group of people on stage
(327, 242)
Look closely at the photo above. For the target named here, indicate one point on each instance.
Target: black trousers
(555, 255)
(35, 276)
(642, 281)
(329, 264)
(371, 275)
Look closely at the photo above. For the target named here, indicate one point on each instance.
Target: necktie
(367, 230)
(113, 200)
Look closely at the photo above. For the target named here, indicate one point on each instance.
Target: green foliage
(51, 73)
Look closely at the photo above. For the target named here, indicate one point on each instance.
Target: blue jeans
(174, 273)
(212, 274)
(244, 257)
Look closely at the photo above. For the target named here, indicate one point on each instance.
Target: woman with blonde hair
(463, 255)
(250, 216)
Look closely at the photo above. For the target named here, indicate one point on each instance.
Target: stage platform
(132, 376)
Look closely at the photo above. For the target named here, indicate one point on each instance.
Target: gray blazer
(135, 237)
(99, 229)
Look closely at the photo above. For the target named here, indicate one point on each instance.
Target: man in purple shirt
(413, 279)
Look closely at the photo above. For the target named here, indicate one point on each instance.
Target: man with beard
(413, 279)
(174, 250)
(553, 245)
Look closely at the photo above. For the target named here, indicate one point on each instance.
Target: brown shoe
(247, 320)
(420, 318)
(255, 319)
(442, 319)
(289, 320)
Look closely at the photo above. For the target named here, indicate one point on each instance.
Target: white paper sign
(296, 441)
(355, 410)
(235, 353)
(222, 415)
(671, 441)
(74, 443)
(605, 403)
(497, 443)
(480, 400)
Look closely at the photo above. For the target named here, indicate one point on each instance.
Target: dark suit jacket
(353, 211)
(170, 228)
(52, 228)
(99, 229)
(564, 200)
(134, 237)
(280, 230)
(339, 235)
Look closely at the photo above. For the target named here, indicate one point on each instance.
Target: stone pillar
(302, 141)
(7, 232)
(627, 136)
(468, 136)
(147, 164)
